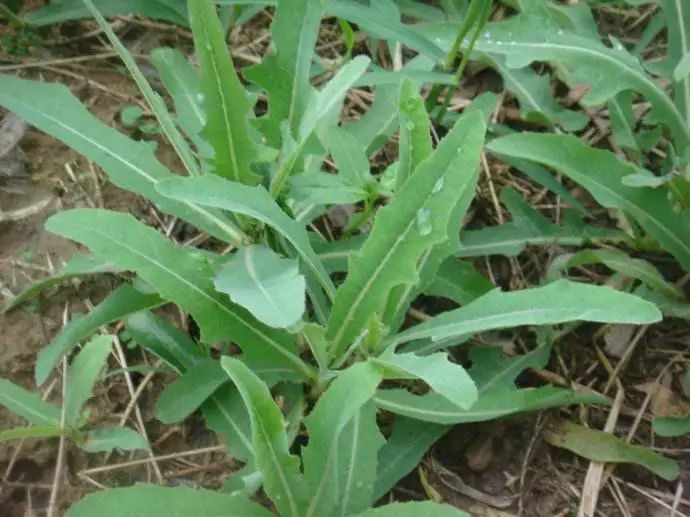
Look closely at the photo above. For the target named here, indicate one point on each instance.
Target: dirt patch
(57, 179)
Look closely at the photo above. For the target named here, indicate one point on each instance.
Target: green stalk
(463, 63)
(14, 20)
(477, 14)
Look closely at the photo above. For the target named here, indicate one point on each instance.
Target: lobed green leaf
(130, 165)
(82, 374)
(602, 174)
(338, 459)
(189, 391)
(184, 277)
(415, 220)
(283, 482)
(557, 302)
(266, 284)
(226, 102)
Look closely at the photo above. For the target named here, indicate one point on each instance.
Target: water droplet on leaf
(424, 221)
(437, 186)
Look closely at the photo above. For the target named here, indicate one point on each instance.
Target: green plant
(71, 420)
(257, 184)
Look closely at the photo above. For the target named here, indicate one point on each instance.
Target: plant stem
(478, 14)
(463, 64)
(14, 20)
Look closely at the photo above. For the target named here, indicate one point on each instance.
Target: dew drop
(560, 32)
(437, 186)
(512, 43)
(359, 484)
(499, 43)
(424, 221)
(487, 35)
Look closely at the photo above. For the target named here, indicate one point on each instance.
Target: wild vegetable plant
(338, 353)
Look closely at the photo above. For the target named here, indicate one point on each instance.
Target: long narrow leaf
(172, 502)
(255, 202)
(403, 451)
(123, 301)
(606, 448)
(415, 131)
(155, 101)
(608, 71)
(183, 277)
(283, 481)
(555, 303)
(109, 438)
(183, 396)
(677, 14)
(159, 337)
(130, 165)
(224, 412)
(444, 377)
(82, 375)
(65, 10)
(437, 409)
(183, 84)
(328, 462)
(28, 405)
(77, 266)
(601, 173)
(320, 110)
(416, 219)
(284, 74)
(226, 102)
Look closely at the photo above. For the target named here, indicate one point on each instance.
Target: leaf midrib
(223, 103)
(404, 337)
(245, 439)
(364, 291)
(39, 416)
(407, 410)
(253, 274)
(351, 463)
(131, 166)
(276, 464)
(660, 96)
(188, 94)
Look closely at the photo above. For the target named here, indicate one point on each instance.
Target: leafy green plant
(339, 352)
(48, 420)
